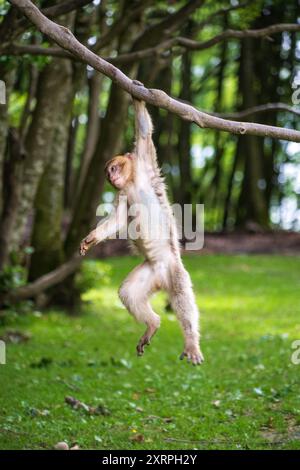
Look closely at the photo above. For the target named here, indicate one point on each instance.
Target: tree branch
(235, 34)
(32, 49)
(263, 108)
(126, 58)
(64, 38)
(44, 282)
(65, 7)
(12, 26)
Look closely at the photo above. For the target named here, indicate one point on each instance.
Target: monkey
(137, 177)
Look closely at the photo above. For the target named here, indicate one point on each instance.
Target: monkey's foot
(193, 354)
(145, 340)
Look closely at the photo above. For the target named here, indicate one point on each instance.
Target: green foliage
(4, 7)
(93, 273)
(245, 396)
(12, 277)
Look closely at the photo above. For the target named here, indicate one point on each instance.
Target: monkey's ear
(129, 155)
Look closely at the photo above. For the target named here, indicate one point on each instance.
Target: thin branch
(65, 7)
(126, 58)
(64, 38)
(263, 108)
(30, 49)
(235, 34)
(130, 57)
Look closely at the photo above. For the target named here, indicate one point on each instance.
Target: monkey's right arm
(107, 228)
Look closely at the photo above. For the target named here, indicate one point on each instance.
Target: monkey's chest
(148, 226)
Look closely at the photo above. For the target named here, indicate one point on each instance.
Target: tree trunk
(7, 76)
(50, 96)
(93, 128)
(184, 135)
(47, 231)
(252, 208)
(12, 176)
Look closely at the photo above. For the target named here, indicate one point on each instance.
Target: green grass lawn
(245, 396)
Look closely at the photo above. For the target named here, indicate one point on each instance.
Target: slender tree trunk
(184, 135)
(252, 209)
(69, 174)
(93, 128)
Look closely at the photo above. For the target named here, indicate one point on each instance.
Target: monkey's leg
(184, 304)
(134, 294)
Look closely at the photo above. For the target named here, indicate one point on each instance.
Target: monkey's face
(119, 171)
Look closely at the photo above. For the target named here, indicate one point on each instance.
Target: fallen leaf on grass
(35, 412)
(216, 403)
(91, 410)
(150, 390)
(137, 438)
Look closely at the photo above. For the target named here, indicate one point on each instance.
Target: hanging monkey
(137, 178)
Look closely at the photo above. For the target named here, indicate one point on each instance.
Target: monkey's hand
(88, 242)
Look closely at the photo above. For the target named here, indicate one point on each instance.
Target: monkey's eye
(113, 169)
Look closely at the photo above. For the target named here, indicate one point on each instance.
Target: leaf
(137, 438)
(35, 412)
(216, 403)
(150, 390)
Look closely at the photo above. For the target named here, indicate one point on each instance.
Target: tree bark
(7, 75)
(93, 128)
(47, 232)
(184, 135)
(12, 176)
(50, 96)
(252, 207)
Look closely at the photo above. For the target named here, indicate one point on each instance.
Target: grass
(246, 395)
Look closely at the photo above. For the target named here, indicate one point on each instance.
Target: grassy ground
(246, 395)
